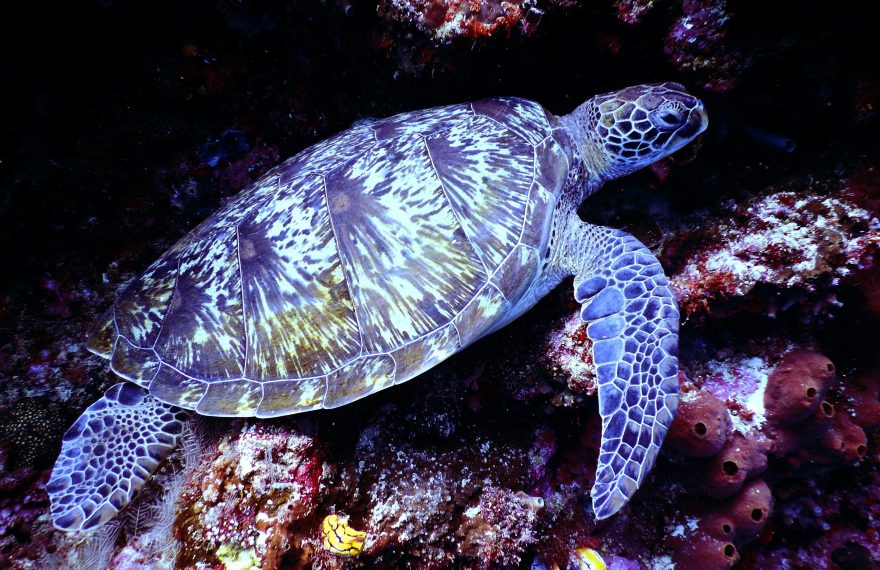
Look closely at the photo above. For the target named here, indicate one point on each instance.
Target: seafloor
(125, 123)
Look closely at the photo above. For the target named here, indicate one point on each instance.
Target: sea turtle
(368, 258)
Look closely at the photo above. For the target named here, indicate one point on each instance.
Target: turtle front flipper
(108, 454)
(633, 323)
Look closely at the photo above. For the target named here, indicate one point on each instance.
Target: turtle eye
(667, 119)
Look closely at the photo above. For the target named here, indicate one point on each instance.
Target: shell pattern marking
(357, 264)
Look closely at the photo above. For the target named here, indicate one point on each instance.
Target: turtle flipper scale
(633, 323)
(108, 454)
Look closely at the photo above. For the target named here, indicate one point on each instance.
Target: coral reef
(445, 20)
(242, 500)
(695, 43)
(786, 239)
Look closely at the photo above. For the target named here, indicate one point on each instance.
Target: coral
(768, 250)
(632, 11)
(500, 526)
(23, 500)
(739, 380)
(702, 425)
(863, 400)
(785, 239)
(696, 43)
(30, 428)
(821, 520)
(449, 19)
(568, 353)
(796, 386)
(415, 494)
(243, 501)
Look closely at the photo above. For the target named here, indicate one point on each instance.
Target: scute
(520, 116)
(356, 265)
(101, 338)
(203, 332)
(486, 173)
(362, 377)
(410, 265)
(299, 315)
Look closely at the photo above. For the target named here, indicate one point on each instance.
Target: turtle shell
(353, 266)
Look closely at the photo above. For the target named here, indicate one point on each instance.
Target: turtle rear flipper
(108, 454)
(633, 320)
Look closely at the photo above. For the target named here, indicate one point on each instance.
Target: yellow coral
(234, 559)
(589, 559)
(341, 539)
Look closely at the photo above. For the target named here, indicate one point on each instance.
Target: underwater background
(125, 124)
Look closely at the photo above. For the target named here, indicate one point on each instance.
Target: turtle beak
(698, 121)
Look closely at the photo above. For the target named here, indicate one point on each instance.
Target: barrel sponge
(796, 386)
(705, 552)
(845, 441)
(800, 439)
(864, 395)
(750, 509)
(701, 426)
(718, 524)
(741, 458)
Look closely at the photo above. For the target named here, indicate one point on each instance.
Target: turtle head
(629, 129)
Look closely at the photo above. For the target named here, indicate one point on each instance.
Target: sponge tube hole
(730, 468)
(729, 550)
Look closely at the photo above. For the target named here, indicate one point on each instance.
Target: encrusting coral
(27, 427)
(247, 496)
